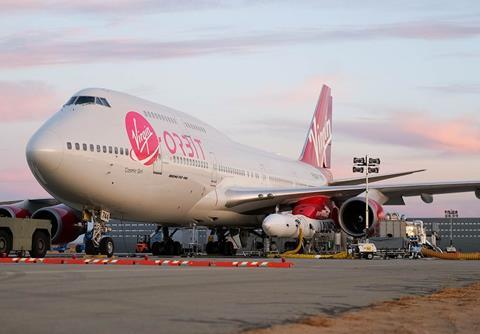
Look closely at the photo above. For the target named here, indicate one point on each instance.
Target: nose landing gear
(95, 242)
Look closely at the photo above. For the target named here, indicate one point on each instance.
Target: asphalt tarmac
(83, 299)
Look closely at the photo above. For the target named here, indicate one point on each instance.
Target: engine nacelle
(66, 225)
(287, 225)
(352, 216)
(16, 210)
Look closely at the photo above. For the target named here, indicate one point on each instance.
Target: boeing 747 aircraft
(106, 154)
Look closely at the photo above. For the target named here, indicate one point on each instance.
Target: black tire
(90, 248)
(167, 247)
(5, 242)
(156, 248)
(227, 248)
(107, 247)
(369, 256)
(177, 248)
(40, 244)
(212, 247)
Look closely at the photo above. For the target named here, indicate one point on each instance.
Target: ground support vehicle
(364, 250)
(391, 247)
(22, 235)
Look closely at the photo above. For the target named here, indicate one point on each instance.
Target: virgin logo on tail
(320, 139)
(317, 149)
(144, 141)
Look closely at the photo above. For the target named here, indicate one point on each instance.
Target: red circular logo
(142, 138)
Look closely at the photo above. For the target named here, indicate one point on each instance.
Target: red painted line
(147, 262)
(6, 260)
(224, 264)
(200, 263)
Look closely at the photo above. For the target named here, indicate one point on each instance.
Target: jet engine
(352, 216)
(287, 225)
(66, 225)
(15, 210)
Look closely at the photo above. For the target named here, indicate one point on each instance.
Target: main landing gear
(167, 246)
(95, 242)
(223, 246)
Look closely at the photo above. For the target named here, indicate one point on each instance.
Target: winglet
(318, 145)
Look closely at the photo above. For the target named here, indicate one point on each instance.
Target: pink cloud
(94, 6)
(33, 51)
(460, 135)
(27, 100)
(305, 92)
(17, 184)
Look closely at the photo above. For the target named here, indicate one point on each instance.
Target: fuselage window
(110, 149)
(116, 150)
(121, 150)
(85, 100)
(104, 149)
(77, 146)
(126, 151)
(84, 147)
(92, 148)
(98, 148)
(69, 145)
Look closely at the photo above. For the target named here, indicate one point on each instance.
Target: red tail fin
(318, 146)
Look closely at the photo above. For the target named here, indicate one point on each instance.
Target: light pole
(451, 214)
(368, 166)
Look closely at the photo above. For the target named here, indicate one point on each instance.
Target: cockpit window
(98, 101)
(85, 100)
(105, 102)
(71, 101)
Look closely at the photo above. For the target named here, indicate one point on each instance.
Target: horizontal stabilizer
(361, 180)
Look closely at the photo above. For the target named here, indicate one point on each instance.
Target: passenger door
(158, 163)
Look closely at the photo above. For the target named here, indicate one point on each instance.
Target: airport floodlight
(371, 166)
(359, 161)
(451, 214)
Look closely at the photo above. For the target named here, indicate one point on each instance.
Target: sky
(405, 77)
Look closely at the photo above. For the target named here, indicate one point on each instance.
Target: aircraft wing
(376, 178)
(257, 200)
(37, 201)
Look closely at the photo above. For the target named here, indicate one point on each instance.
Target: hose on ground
(299, 246)
(450, 256)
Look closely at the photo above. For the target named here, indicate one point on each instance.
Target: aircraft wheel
(177, 248)
(212, 247)
(5, 242)
(167, 247)
(90, 248)
(227, 249)
(107, 247)
(156, 248)
(40, 244)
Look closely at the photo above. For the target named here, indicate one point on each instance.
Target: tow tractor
(362, 250)
(22, 235)
(143, 244)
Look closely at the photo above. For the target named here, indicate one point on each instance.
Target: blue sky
(404, 76)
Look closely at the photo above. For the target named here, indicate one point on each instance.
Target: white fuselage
(185, 184)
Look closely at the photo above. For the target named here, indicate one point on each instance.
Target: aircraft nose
(44, 151)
